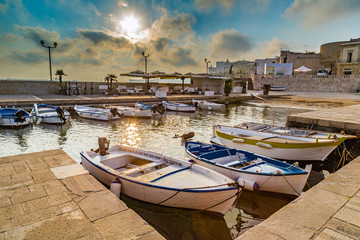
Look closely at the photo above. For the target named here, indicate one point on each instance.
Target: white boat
(162, 180)
(49, 114)
(204, 105)
(180, 107)
(13, 117)
(258, 172)
(132, 112)
(97, 113)
(277, 89)
(275, 145)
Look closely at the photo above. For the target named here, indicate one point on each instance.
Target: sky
(96, 37)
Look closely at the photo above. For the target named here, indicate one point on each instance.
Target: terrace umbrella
(139, 73)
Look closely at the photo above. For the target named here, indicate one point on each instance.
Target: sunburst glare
(130, 24)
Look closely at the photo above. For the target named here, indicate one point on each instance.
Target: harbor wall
(310, 83)
(38, 87)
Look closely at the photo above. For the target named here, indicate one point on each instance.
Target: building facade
(241, 69)
(260, 64)
(349, 59)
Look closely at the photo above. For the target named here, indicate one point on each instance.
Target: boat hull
(284, 151)
(179, 107)
(8, 119)
(290, 184)
(218, 201)
(95, 114)
(48, 115)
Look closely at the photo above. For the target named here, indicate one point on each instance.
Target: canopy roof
(302, 69)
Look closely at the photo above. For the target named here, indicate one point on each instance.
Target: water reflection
(132, 137)
(175, 223)
(57, 129)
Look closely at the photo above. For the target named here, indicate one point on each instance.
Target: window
(349, 56)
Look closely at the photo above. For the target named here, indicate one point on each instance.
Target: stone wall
(310, 83)
(13, 87)
(308, 59)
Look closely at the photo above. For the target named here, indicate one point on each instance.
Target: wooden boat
(180, 107)
(131, 112)
(204, 105)
(275, 145)
(256, 171)
(277, 89)
(162, 180)
(97, 113)
(49, 114)
(14, 117)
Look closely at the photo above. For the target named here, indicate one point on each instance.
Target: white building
(278, 68)
(260, 64)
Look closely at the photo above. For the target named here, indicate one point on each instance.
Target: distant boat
(14, 117)
(143, 106)
(162, 180)
(256, 171)
(97, 113)
(131, 112)
(204, 105)
(277, 88)
(50, 114)
(277, 145)
(179, 107)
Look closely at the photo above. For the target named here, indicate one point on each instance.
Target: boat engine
(158, 108)
(19, 116)
(115, 112)
(60, 112)
(103, 145)
(187, 136)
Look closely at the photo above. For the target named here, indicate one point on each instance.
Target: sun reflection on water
(132, 137)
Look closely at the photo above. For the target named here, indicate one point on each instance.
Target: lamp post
(49, 47)
(207, 64)
(148, 81)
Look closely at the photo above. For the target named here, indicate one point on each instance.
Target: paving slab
(329, 210)
(82, 184)
(69, 171)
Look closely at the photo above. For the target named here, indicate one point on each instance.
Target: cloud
(36, 34)
(27, 57)
(310, 13)
(272, 48)
(99, 37)
(122, 3)
(253, 5)
(229, 44)
(179, 57)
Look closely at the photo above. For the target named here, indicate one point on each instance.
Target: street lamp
(207, 64)
(55, 44)
(148, 81)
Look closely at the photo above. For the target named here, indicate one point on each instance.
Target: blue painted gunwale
(10, 112)
(157, 186)
(143, 106)
(41, 105)
(281, 165)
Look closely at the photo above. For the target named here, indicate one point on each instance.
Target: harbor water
(161, 136)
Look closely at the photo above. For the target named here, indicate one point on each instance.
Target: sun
(130, 24)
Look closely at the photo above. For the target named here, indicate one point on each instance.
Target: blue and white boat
(13, 117)
(255, 171)
(49, 114)
(162, 180)
(179, 107)
(143, 106)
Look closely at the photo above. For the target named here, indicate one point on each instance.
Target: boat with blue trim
(14, 117)
(49, 114)
(103, 114)
(159, 179)
(256, 171)
(179, 107)
(143, 106)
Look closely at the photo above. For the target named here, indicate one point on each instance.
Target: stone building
(238, 68)
(329, 55)
(308, 59)
(349, 59)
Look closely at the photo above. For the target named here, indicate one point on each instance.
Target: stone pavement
(329, 210)
(46, 195)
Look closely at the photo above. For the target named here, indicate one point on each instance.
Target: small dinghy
(204, 105)
(257, 172)
(132, 112)
(97, 113)
(162, 180)
(13, 117)
(143, 106)
(179, 107)
(50, 114)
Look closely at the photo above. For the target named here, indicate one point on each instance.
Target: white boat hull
(10, 122)
(209, 106)
(291, 184)
(95, 113)
(178, 107)
(52, 119)
(210, 200)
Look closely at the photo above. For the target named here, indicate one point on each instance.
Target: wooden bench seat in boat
(160, 173)
(236, 162)
(142, 168)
